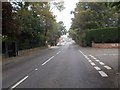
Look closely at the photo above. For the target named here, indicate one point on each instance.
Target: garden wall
(106, 45)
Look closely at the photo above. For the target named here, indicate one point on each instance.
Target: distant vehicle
(61, 44)
(58, 44)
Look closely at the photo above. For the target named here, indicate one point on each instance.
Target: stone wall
(106, 45)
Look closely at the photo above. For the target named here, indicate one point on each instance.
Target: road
(67, 66)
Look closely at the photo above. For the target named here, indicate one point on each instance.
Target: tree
(115, 6)
(10, 30)
(91, 15)
(61, 28)
(35, 21)
(8, 23)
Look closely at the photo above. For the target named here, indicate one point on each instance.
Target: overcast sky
(65, 15)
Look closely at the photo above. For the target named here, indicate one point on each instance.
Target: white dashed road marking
(86, 57)
(101, 63)
(103, 74)
(48, 60)
(97, 60)
(107, 67)
(89, 61)
(91, 56)
(36, 69)
(58, 52)
(97, 68)
(94, 58)
(19, 82)
(92, 64)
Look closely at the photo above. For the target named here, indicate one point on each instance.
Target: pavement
(67, 66)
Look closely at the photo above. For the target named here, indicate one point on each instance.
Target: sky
(65, 15)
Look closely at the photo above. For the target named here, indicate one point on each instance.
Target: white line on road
(103, 74)
(36, 69)
(87, 58)
(94, 58)
(91, 56)
(107, 67)
(101, 63)
(93, 64)
(97, 68)
(97, 60)
(84, 55)
(58, 52)
(19, 82)
(89, 61)
(48, 60)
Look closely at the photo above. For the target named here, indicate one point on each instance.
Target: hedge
(102, 35)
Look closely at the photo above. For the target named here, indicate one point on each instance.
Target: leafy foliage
(102, 35)
(33, 20)
(92, 15)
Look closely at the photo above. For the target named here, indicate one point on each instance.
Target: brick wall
(106, 45)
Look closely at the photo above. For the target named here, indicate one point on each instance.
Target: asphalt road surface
(67, 66)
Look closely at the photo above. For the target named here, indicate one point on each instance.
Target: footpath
(23, 54)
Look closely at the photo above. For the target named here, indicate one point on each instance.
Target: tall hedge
(102, 35)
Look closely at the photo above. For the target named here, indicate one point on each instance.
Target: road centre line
(48, 60)
(18, 83)
(103, 74)
(58, 52)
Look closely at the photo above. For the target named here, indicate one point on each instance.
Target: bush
(102, 35)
